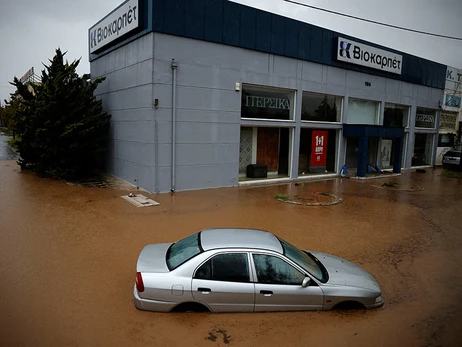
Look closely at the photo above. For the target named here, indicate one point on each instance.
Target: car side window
(230, 267)
(273, 270)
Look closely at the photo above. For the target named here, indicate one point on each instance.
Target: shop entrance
(352, 152)
(363, 147)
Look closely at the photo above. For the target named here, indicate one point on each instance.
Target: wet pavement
(6, 151)
(68, 257)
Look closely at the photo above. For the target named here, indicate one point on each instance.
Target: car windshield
(182, 251)
(305, 260)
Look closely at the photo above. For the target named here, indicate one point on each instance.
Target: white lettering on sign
(360, 54)
(425, 118)
(121, 21)
(319, 144)
(267, 102)
(319, 140)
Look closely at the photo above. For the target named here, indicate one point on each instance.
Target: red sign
(318, 148)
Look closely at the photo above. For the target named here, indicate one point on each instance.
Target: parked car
(452, 158)
(244, 270)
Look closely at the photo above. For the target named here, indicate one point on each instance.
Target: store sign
(27, 75)
(359, 54)
(116, 24)
(453, 79)
(266, 102)
(318, 148)
(448, 121)
(452, 100)
(425, 120)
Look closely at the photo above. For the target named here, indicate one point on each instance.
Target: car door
(278, 286)
(223, 283)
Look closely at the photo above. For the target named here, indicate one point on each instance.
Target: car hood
(342, 272)
(153, 258)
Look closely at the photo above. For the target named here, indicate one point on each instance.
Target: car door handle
(204, 290)
(266, 292)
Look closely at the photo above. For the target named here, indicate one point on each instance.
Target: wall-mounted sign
(266, 102)
(448, 121)
(453, 79)
(318, 151)
(452, 100)
(119, 22)
(360, 54)
(424, 120)
(27, 75)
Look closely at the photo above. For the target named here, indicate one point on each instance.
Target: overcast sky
(31, 30)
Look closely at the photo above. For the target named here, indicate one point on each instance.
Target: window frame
(425, 109)
(267, 89)
(377, 111)
(342, 103)
(282, 258)
(395, 105)
(249, 266)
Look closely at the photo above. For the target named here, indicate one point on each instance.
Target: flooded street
(68, 256)
(6, 151)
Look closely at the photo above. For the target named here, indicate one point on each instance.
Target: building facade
(211, 93)
(449, 127)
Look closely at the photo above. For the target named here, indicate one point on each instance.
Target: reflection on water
(6, 151)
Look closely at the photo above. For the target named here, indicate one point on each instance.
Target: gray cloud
(30, 30)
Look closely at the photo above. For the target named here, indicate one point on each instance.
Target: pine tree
(63, 129)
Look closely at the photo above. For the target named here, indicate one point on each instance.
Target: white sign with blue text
(116, 24)
(357, 53)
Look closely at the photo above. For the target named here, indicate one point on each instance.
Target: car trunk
(153, 258)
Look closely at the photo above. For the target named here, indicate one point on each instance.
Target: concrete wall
(127, 96)
(208, 106)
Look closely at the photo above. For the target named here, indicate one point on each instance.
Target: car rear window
(183, 250)
(453, 154)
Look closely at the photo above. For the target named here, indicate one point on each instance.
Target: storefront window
(446, 140)
(448, 121)
(264, 152)
(423, 149)
(362, 111)
(317, 151)
(425, 118)
(395, 115)
(267, 103)
(321, 108)
(387, 151)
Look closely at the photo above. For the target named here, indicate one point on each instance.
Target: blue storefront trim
(233, 24)
(363, 132)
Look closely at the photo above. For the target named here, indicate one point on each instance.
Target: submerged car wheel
(349, 305)
(190, 307)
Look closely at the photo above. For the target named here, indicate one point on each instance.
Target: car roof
(239, 238)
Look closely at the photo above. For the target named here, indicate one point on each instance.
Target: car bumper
(151, 305)
(379, 304)
(451, 162)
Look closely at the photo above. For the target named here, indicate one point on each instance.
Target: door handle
(204, 290)
(266, 292)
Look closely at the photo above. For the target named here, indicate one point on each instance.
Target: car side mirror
(306, 282)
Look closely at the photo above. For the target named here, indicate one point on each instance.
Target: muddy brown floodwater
(68, 256)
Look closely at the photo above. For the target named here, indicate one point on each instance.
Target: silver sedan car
(244, 270)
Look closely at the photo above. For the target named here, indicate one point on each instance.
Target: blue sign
(452, 100)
